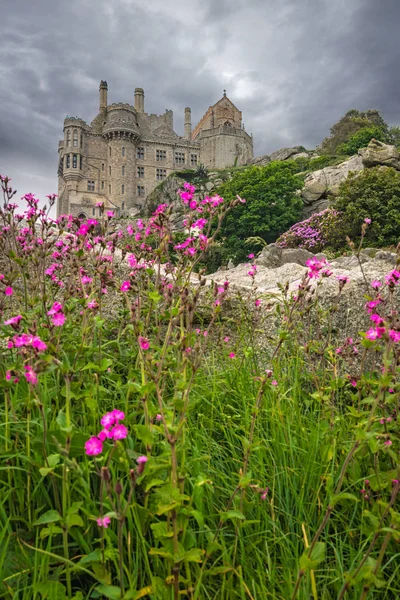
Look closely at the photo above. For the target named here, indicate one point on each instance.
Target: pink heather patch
(13, 320)
(125, 286)
(58, 319)
(103, 522)
(93, 446)
(119, 432)
(141, 460)
(8, 291)
(144, 343)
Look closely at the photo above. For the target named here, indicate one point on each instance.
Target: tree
(347, 126)
(361, 139)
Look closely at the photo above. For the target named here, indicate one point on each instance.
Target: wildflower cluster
(315, 233)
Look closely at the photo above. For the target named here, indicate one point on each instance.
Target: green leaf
(307, 563)
(232, 514)
(144, 434)
(110, 591)
(51, 530)
(62, 422)
(194, 555)
(343, 496)
(51, 516)
(161, 552)
(94, 556)
(74, 521)
(51, 590)
(161, 530)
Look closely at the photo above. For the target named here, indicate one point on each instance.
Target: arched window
(94, 212)
(109, 170)
(123, 151)
(67, 164)
(80, 162)
(122, 189)
(82, 216)
(102, 166)
(68, 137)
(75, 138)
(110, 151)
(123, 206)
(74, 161)
(109, 188)
(123, 170)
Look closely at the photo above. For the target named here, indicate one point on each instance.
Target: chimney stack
(188, 123)
(139, 99)
(103, 89)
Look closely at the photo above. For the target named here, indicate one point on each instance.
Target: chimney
(188, 123)
(103, 89)
(139, 99)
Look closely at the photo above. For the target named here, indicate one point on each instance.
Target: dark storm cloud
(293, 67)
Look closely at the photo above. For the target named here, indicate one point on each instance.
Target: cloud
(293, 68)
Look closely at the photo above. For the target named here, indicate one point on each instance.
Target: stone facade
(125, 152)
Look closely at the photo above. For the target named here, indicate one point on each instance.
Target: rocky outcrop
(286, 153)
(378, 153)
(273, 257)
(260, 161)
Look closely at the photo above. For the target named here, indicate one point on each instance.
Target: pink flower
(394, 335)
(376, 284)
(30, 375)
(57, 307)
(144, 343)
(388, 443)
(250, 256)
(125, 286)
(103, 522)
(13, 320)
(8, 291)
(119, 432)
(58, 319)
(264, 494)
(110, 214)
(257, 302)
(367, 221)
(393, 277)
(274, 382)
(8, 375)
(38, 344)
(375, 333)
(92, 304)
(343, 279)
(158, 417)
(141, 460)
(118, 415)
(86, 279)
(93, 446)
(232, 355)
(108, 420)
(226, 339)
(376, 318)
(104, 434)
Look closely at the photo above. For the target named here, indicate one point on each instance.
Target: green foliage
(374, 194)
(394, 136)
(271, 205)
(361, 139)
(347, 126)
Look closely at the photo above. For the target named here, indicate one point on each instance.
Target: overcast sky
(293, 67)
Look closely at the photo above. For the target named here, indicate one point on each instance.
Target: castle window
(102, 185)
(109, 170)
(81, 140)
(80, 162)
(102, 166)
(123, 170)
(179, 158)
(140, 152)
(161, 174)
(67, 163)
(110, 151)
(74, 161)
(193, 160)
(75, 138)
(140, 191)
(140, 171)
(123, 151)
(94, 212)
(109, 188)
(123, 206)
(68, 137)
(90, 185)
(122, 189)
(161, 155)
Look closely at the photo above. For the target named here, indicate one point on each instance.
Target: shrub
(361, 139)
(347, 126)
(321, 230)
(272, 205)
(375, 194)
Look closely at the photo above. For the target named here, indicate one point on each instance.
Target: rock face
(261, 161)
(286, 153)
(273, 257)
(350, 316)
(378, 153)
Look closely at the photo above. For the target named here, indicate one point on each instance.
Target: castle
(125, 152)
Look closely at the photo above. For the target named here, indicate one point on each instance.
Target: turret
(188, 123)
(103, 89)
(139, 100)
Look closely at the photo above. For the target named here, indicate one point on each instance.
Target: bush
(322, 230)
(361, 139)
(347, 126)
(272, 205)
(374, 194)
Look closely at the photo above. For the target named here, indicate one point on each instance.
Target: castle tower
(188, 123)
(103, 89)
(139, 100)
